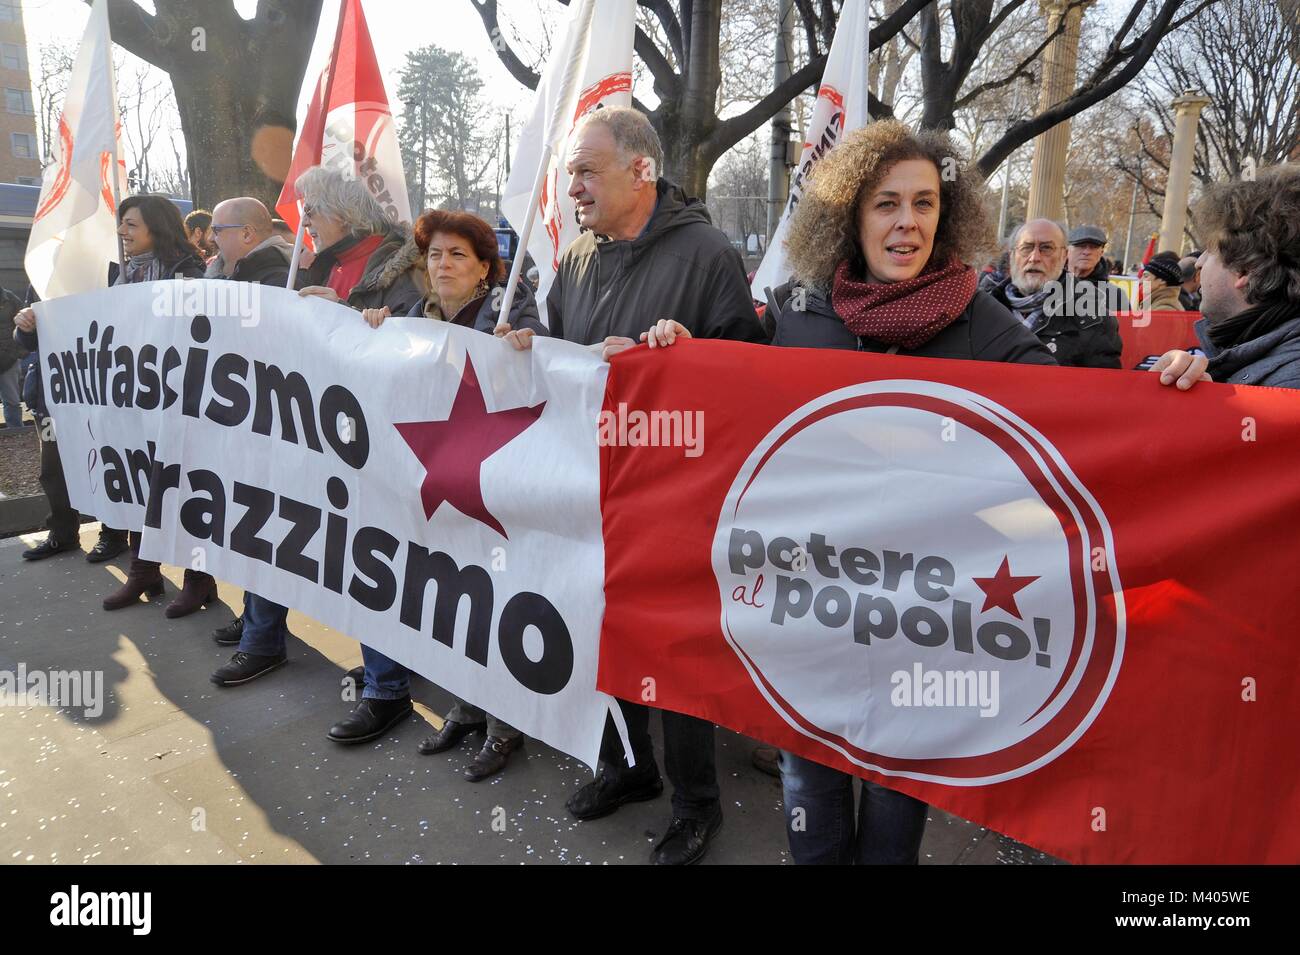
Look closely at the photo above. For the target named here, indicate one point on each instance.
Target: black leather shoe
(447, 737)
(686, 841)
(109, 545)
(356, 676)
(231, 633)
(611, 789)
(49, 547)
(492, 758)
(247, 666)
(370, 720)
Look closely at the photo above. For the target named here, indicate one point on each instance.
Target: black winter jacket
(1088, 340)
(681, 268)
(986, 331)
(1272, 359)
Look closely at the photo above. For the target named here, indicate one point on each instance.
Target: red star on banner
(1000, 589)
(453, 451)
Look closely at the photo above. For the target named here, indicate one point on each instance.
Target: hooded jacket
(393, 276)
(680, 267)
(1272, 359)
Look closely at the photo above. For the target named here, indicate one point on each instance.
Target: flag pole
(503, 317)
(556, 134)
(112, 93)
(297, 253)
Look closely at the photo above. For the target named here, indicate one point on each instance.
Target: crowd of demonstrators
(1043, 290)
(879, 247)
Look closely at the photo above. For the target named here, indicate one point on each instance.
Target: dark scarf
(907, 313)
(1028, 308)
(1251, 324)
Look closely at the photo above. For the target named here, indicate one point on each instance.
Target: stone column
(1187, 114)
(1060, 62)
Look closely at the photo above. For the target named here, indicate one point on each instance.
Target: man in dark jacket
(649, 253)
(1250, 285)
(248, 250)
(1070, 315)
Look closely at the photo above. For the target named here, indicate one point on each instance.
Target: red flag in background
(1068, 623)
(1151, 249)
(349, 126)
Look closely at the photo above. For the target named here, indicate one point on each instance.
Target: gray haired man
(648, 253)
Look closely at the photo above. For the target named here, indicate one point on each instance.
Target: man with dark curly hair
(1250, 283)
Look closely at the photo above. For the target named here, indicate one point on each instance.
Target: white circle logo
(915, 578)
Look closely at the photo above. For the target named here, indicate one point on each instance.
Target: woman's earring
(481, 288)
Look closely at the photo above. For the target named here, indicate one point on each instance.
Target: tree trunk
(236, 84)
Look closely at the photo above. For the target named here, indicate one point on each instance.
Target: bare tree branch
(1105, 80)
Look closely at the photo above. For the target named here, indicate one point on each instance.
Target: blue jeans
(11, 395)
(820, 818)
(385, 679)
(264, 626)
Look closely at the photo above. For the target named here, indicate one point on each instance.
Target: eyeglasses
(1047, 249)
(218, 228)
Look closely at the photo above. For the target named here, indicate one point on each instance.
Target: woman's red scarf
(907, 313)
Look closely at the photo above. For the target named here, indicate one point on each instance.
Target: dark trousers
(688, 756)
(63, 522)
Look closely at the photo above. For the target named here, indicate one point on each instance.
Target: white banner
(841, 107)
(422, 487)
(590, 69)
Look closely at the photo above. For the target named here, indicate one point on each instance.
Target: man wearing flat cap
(1095, 342)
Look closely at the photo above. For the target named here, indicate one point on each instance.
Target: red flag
(1072, 625)
(1151, 249)
(1151, 333)
(349, 125)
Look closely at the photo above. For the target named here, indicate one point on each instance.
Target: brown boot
(199, 590)
(144, 577)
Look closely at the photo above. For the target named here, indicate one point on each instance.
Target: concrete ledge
(19, 514)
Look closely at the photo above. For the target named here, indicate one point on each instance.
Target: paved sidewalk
(176, 770)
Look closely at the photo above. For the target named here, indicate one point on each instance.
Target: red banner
(1147, 334)
(1059, 618)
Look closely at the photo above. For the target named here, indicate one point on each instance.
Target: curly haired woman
(879, 245)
